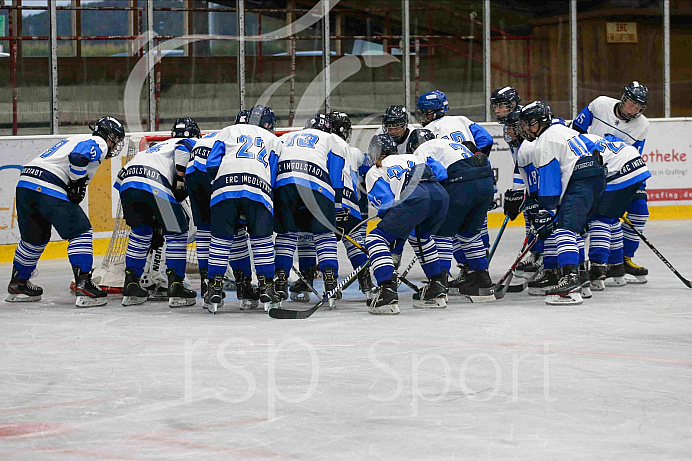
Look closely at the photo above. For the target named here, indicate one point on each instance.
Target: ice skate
(268, 296)
(21, 290)
(366, 285)
(597, 276)
(529, 266)
(386, 300)
(635, 273)
(247, 294)
(203, 285)
(433, 295)
(615, 275)
(281, 284)
(461, 278)
(568, 289)
(478, 287)
(133, 293)
(213, 298)
(584, 280)
(178, 294)
(300, 290)
(330, 283)
(87, 292)
(547, 278)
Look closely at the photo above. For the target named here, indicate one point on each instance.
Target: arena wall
(668, 153)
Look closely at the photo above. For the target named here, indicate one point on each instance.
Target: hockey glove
(480, 159)
(530, 207)
(544, 224)
(179, 191)
(342, 215)
(512, 204)
(77, 190)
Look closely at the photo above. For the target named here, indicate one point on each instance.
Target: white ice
(514, 379)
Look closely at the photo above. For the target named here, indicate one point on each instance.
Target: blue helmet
(320, 122)
(418, 137)
(381, 145)
(242, 117)
(263, 117)
(434, 102)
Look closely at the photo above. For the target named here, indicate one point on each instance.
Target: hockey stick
(497, 239)
(501, 286)
(280, 313)
(687, 283)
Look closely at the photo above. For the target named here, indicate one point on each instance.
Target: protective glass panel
(680, 58)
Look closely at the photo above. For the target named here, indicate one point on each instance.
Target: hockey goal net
(110, 275)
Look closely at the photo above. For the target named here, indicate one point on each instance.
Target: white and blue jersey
(197, 160)
(69, 160)
(441, 154)
(314, 159)
(599, 118)
(385, 184)
(625, 165)
(517, 179)
(352, 165)
(153, 170)
(527, 170)
(460, 129)
(243, 161)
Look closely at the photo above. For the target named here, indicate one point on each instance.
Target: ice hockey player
(309, 189)
(48, 193)
(244, 160)
(514, 197)
(503, 101)
(469, 181)
(395, 123)
(431, 112)
(198, 184)
(151, 187)
(411, 204)
(626, 174)
(569, 182)
(623, 118)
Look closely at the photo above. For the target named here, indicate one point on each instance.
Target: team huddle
(257, 199)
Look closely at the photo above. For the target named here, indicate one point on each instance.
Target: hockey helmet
(418, 137)
(319, 122)
(503, 101)
(395, 123)
(110, 129)
(242, 117)
(381, 145)
(431, 106)
(185, 128)
(538, 112)
(262, 117)
(638, 94)
(341, 125)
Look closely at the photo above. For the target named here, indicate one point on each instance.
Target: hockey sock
(263, 255)
(176, 252)
(472, 246)
(219, 252)
(638, 214)
(377, 243)
(138, 248)
(431, 266)
(26, 257)
(444, 251)
(203, 238)
(567, 251)
(484, 234)
(550, 253)
(80, 251)
(307, 256)
(325, 244)
(459, 255)
(599, 240)
(616, 243)
(580, 248)
(355, 255)
(240, 253)
(285, 247)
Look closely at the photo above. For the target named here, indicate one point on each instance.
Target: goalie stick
(500, 289)
(281, 313)
(687, 283)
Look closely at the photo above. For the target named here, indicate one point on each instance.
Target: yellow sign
(621, 32)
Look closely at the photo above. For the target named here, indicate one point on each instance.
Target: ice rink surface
(513, 379)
